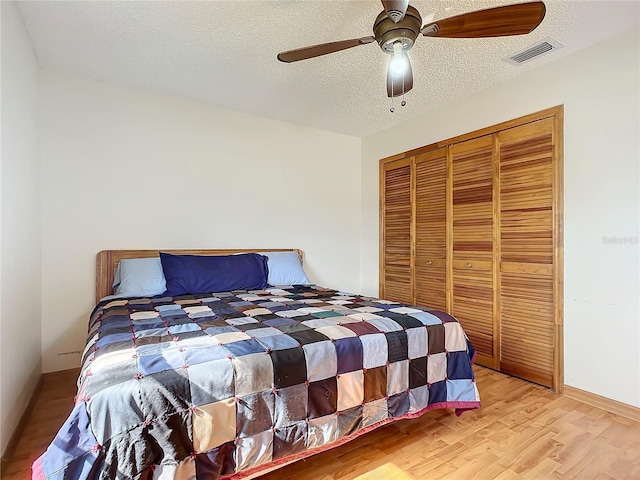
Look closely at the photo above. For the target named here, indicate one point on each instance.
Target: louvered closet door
(527, 248)
(430, 270)
(472, 266)
(395, 278)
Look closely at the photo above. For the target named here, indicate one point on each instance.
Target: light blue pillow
(285, 268)
(139, 277)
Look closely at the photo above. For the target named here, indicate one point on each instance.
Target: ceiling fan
(399, 24)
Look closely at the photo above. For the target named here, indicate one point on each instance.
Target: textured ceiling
(224, 53)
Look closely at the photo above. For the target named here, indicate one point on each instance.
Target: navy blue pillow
(215, 273)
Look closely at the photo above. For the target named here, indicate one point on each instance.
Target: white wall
(599, 88)
(19, 223)
(125, 168)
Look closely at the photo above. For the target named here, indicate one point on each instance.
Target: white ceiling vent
(534, 51)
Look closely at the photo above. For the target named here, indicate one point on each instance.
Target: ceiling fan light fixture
(388, 33)
(399, 63)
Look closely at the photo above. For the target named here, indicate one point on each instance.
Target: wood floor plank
(523, 431)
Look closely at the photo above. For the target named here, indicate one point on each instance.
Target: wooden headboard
(107, 261)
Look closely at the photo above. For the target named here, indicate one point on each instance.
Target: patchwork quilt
(229, 384)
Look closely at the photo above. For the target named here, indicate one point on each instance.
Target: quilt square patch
(455, 339)
(278, 322)
(216, 462)
(417, 340)
(319, 322)
(290, 440)
(263, 331)
(399, 404)
(109, 375)
(308, 336)
(385, 324)
(362, 328)
(458, 368)
(322, 430)
(253, 373)
(291, 405)
(244, 347)
(435, 336)
(350, 354)
(375, 384)
(278, 342)
(105, 425)
(213, 424)
(230, 337)
(289, 367)
(207, 388)
(336, 332)
(397, 346)
(375, 350)
(405, 321)
(374, 412)
(461, 391)
(349, 421)
(321, 360)
(203, 351)
(255, 450)
(397, 377)
(170, 359)
(418, 399)
(238, 321)
(404, 310)
(436, 367)
(426, 318)
(323, 397)
(350, 390)
(162, 392)
(437, 392)
(255, 413)
(417, 372)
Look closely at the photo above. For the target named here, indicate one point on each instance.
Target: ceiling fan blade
(494, 22)
(399, 81)
(322, 49)
(395, 9)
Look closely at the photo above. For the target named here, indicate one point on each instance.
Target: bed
(234, 383)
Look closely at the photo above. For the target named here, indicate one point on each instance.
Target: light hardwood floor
(522, 431)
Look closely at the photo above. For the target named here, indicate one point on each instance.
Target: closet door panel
(430, 288)
(395, 275)
(472, 199)
(526, 329)
(527, 251)
(473, 307)
(472, 238)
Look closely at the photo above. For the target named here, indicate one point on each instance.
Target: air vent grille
(534, 51)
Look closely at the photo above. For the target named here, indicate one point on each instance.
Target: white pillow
(285, 268)
(139, 277)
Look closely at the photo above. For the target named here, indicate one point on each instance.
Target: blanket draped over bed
(230, 384)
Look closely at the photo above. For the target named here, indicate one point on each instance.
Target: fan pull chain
(392, 109)
(393, 91)
(403, 103)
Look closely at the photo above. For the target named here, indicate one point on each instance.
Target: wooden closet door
(472, 232)
(395, 276)
(527, 251)
(430, 264)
